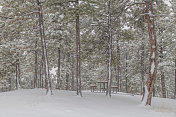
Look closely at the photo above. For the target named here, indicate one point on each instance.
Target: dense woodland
(72, 44)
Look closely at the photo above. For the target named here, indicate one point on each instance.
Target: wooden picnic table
(114, 88)
(103, 85)
(93, 87)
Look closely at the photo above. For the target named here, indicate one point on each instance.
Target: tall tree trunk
(78, 62)
(126, 72)
(17, 76)
(73, 80)
(44, 51)
(163, 84)
(110, 50)
(18, 73)
(118, 66)
(175, 78)
(119, 78)
(67, 81)
(153, 52)
(162, 72)
(154, 91)
(36, 65)
(142, 68)
(10, 84)
(41, 76)
(58, 71)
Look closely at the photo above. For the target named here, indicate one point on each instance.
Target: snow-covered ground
(34, 103)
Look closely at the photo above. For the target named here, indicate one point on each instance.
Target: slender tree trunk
(67, 74)
(10, 84)
(110, 50)
(163, 84)
(175, 78)
(126, 72)
(153, 51)
(118, 66)
(36, 65)
(119, 79)
(142, 68)
(67, 81)
(154, 92)
(78, 62)
(41, 75)
(18, 74)
(73, 80)
(162, 73)
(58, 71)
(44, 51)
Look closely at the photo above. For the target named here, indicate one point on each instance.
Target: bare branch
(135, 3)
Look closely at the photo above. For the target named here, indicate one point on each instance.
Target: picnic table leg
(100, 87)
(104, 87)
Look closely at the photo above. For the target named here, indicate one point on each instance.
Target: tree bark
(58, 71)
(175, 78)
(163, 84)
(41, 76)
(162, 73)
(18, 73)
(78, 76)
(142, 68)
(67, 81)
(153, 51)
(110, 51)
(126, 72)
(10, 84)
(118, 66)
(17, 76)
(36, 65)
(73, 80)
(44, 51)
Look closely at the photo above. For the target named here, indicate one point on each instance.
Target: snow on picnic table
(34, 103)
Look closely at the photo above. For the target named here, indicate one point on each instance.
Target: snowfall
(35, 103)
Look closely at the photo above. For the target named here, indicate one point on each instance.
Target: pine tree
(153, 52)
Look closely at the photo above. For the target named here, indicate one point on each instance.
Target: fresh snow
(145, 95)
(152, 68)
(34, 103)
(0, 8)
(53, 71)
(153, 55)
(125, 27)
(167, 2)
(153, 46)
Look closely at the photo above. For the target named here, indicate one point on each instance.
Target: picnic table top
(93, 86)
(102, 82)
(114, 86)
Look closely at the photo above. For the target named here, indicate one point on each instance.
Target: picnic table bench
(103, 85)
(114, 88)
(93, 87)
